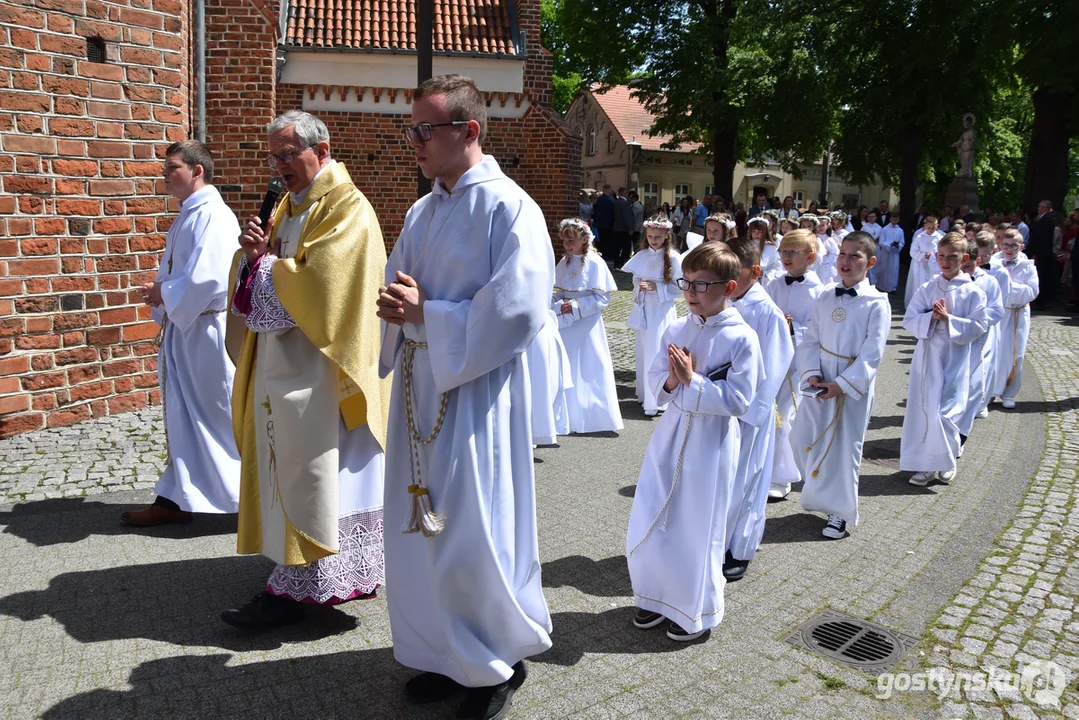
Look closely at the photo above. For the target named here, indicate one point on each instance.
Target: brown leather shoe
(154, 515)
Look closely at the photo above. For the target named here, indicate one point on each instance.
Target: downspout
(200, 69)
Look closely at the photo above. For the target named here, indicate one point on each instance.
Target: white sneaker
(921, 479)
(946, 476)
(778, 492)
(1008, 402)
(983, 413)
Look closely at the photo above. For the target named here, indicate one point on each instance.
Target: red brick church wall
(82, 217)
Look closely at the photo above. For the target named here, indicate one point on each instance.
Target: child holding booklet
(678, 527)
(838, 362)
(655, 268)
(582, 290)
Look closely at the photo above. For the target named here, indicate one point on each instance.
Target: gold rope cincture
(833, 425)
(273, 453)
(422, 517)
(665, 511)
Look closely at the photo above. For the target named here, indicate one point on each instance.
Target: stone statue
(965, 145)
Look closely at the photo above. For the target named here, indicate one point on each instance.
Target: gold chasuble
(329, 286)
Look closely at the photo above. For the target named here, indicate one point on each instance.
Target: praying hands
(401, 301)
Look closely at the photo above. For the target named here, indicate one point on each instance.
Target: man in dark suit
(884, 213)
(603, 218)
(623, 226)
(923, 212)
(760, 205)
(1040, 248)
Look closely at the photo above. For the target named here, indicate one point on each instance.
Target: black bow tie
(987, 267)
(845, 291)
(793, 279)
(1009, 263)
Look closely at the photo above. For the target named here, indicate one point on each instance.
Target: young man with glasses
(468, 287)
(309, 408)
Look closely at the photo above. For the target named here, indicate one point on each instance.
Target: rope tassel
(422, 518)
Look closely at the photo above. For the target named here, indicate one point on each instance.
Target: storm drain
(853, 642)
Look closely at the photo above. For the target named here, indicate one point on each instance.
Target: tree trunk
(724, 121)
(1047, 160)
(911, 157)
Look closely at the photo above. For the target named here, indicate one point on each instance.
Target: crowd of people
(363, 414)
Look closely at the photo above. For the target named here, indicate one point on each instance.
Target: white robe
(796, 299)
(889, 245)
(678, 526)
(873, 230)
(844, 343)
(659, 311)
(1018, 288)
(468, 603)
(983, 359)
(828, 255)
(548, 370)
(922, 268)
(771, 264)
(749, 498)
(586, 283)
(195, 372)
(940, 371)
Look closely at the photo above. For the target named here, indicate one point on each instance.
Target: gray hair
(309, 129)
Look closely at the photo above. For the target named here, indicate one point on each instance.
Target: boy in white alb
(582, 290)
(889, 244)
(1018, 286)
(983, 352)
(795, 294)
(839, 358)
(678, 526)
(946, 314)
(745, 518)
(923, 257)
(655, 268)
(873, 229)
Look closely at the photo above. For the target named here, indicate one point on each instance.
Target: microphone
(274, 188)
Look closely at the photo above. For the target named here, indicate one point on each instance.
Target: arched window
(610, 142)
(591, 140)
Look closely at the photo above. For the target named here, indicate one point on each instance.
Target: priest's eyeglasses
(424, 131)
(699, 286)
(284, 158)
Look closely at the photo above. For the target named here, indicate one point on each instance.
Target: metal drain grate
(852, 641)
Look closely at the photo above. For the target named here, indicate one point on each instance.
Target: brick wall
(82, 217)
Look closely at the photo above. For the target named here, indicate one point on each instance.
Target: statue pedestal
(963, 191)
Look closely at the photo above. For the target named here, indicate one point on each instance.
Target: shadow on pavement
(602, 578)
(1035, 407)
(799, 527)
(365, 683)
(896, 483)
(628, 491)
(174, 602)
(879, 422)
(608, 632)
(68, 520)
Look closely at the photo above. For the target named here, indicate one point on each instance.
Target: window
(708, 190)
(610, 143)
(591, 149)
(680, 191)
(799, 199)
(651, 194)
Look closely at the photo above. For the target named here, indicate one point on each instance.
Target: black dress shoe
(734, 569)
(265, 611)
(431, 687)
(492, 703)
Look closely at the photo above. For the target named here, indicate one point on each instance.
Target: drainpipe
(200, 69)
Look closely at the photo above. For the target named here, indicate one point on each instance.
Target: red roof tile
(632, 120)
(461, 26)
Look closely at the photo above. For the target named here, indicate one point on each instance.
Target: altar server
(839, 358)
(946, 314)
(1019, 287)
(923, 257)
(656, 268)
(983, 352)
(745, 517)
(468, 289)
(582, 290)
(549, 373)
(890, 242)
(708, 371)
(188, 299)
(795, 294)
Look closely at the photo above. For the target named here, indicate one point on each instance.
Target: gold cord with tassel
(422, 516)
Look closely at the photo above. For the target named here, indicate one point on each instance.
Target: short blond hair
(715, 258)
(984, 239)
(953, 239)
(800, 239)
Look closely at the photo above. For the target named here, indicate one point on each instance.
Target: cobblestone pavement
(97, 621)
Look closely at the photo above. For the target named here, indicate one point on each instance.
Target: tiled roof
(461, 26)
(631, 119)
